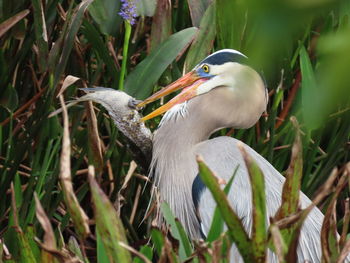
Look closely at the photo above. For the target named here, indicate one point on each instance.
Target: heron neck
(174, 166)
(187, 127)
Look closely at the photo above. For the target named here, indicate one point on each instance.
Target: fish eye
(205, 68)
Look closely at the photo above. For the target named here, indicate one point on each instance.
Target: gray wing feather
(223, 162)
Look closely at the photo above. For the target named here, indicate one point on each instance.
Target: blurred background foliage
(301, 47)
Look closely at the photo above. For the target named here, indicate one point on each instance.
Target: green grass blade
(9, 98)
(217, 225)
(157, 240)
(309, 92)
(230, 23)
(177, 231)
(108, 223)
(234, 224)
(204, 41)
(139, 82)
(92, 35)
(105, 14)
(18, 190)
(40, 34)
(74, 247)
(55, 51)
(102, 255)
(10, 22)
(291, 187)
(259, 232)
(145, 7)
(25, 251)
(291, 194)
(68, 43)
(329, 234)
(197, 10)
(147, 252)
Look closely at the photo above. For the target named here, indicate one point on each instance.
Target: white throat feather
(177, 111)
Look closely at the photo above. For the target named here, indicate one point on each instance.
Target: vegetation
(55, 207)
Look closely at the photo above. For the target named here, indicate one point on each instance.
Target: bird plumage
(175, 174)
(233, 96)
(240, 194)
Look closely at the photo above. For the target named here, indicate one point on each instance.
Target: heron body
(221, 91)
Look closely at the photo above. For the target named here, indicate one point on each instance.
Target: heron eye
(205, 68)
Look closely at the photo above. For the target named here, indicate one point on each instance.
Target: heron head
(225, 68)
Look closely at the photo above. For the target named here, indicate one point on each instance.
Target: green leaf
(1, 251)
(9, 98)
(217, 225)
(157, 240)
(105, 14)
(40, 34)
(26, 252)
(108, 224)
(329, 234)
(234, 224)
(259, 232)
(41, 171)
(102, 256)
(139, 83)
(230, 23)
(100, 48)
(204, 41)
(68, 43)
(177, 231)
(18, 190)
(197, 10)
(147, 252)
(73, 246)
(10, 22)
(309, 92)
(55, 51)
(23, 245)
(145, 7)
(291, 187)
(291, 194)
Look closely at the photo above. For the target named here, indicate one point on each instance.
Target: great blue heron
(221, 91)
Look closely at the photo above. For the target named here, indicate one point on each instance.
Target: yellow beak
(189, 83)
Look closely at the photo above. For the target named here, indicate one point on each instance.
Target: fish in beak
(189, 83)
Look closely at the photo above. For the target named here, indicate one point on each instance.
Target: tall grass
(52, 210)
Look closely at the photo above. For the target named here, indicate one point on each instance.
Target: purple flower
(128, 11)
